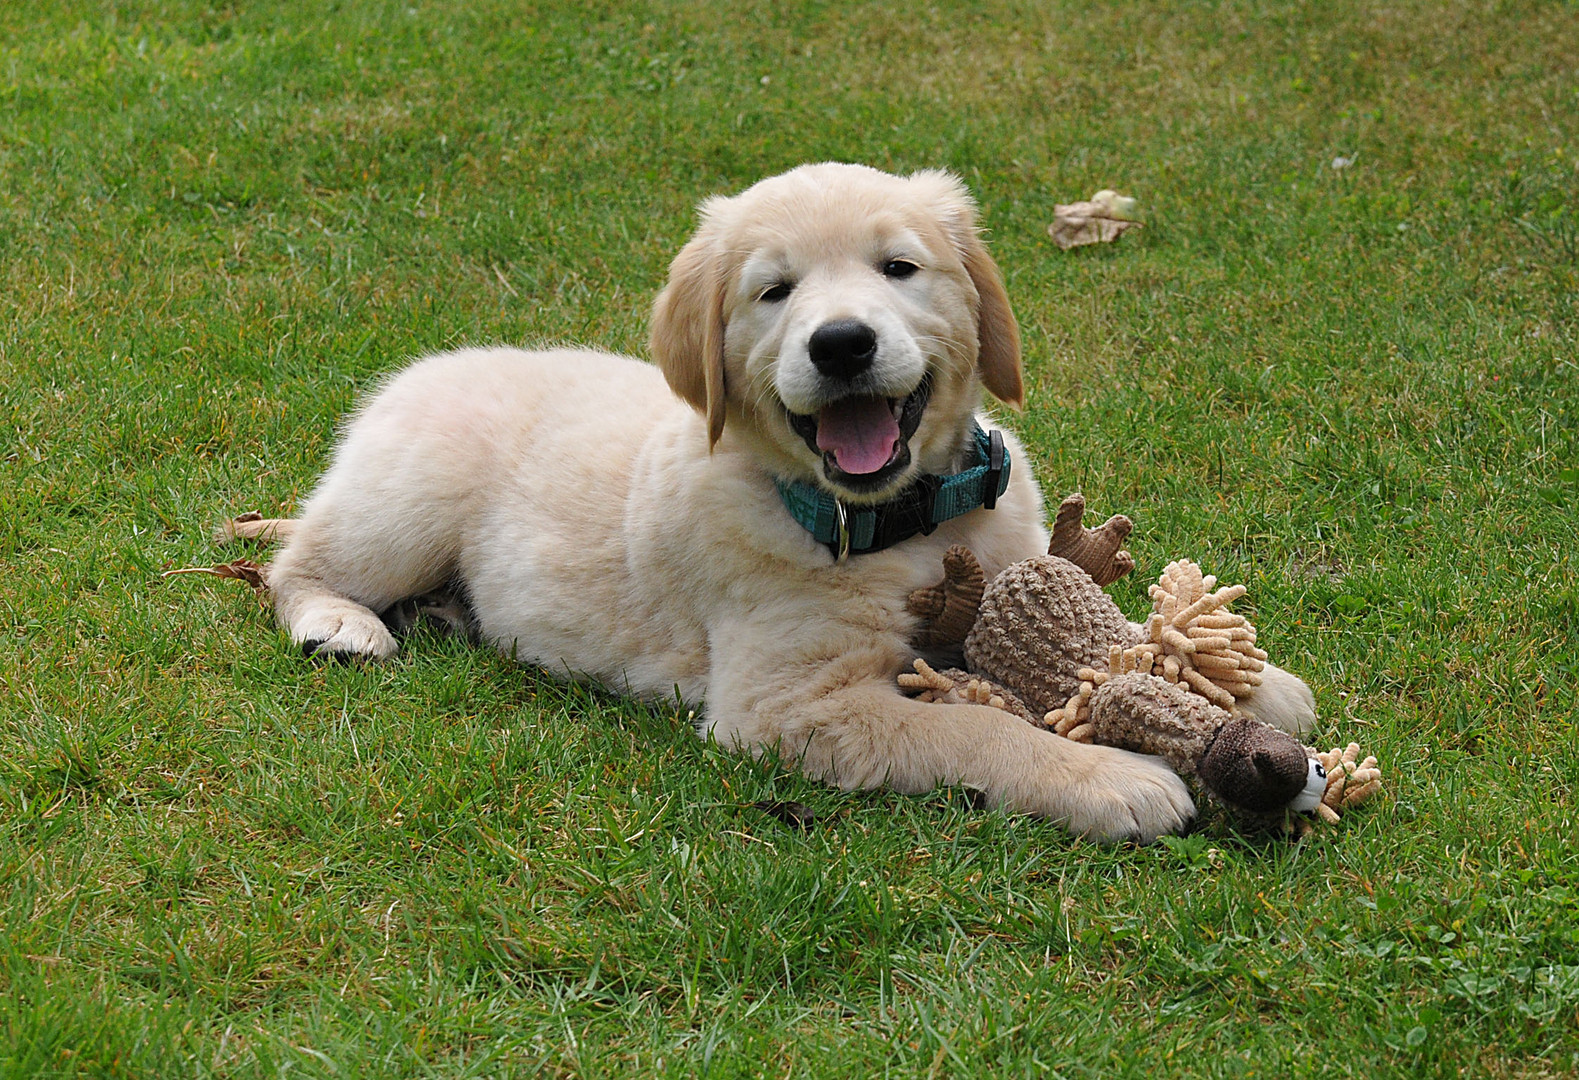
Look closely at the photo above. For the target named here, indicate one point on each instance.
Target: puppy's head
(843, 320)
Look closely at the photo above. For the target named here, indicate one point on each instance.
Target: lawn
(1338, 365)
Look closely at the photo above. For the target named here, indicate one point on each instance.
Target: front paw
(1283, 701)
(1126, 796)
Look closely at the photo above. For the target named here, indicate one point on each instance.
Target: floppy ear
(687, 338)
(998, 360)
(998, 355)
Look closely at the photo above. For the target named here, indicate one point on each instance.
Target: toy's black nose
(843, 349)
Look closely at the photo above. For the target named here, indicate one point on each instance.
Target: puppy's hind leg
(390, 517)
(324, 623)
(340, 569)
(330, 627)
(310, 602)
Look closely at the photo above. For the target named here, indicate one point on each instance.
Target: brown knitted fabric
(1096, 551)
(1145, 714)
(948, 609)
(1040, 622)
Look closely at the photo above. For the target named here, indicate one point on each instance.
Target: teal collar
(919, 509)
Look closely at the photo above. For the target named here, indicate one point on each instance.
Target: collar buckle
(996, 455)
(910, 514)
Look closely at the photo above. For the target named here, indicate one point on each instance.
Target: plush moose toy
(1043, 641)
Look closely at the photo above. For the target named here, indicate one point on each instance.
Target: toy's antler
(948, 609)
(1096, 551)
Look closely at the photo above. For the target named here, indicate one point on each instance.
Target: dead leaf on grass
(241, 570)
(1102, 219)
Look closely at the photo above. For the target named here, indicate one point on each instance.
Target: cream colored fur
(607, 527)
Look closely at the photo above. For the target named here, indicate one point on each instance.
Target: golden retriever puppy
(744, 521)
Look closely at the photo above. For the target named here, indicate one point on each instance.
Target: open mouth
(864, 439)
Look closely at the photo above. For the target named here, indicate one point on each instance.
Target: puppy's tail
(254, 526)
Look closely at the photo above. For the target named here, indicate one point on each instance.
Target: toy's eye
(899, 268)
(776, 292)
(1321, 772)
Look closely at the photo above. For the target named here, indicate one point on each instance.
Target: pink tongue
(861, 432)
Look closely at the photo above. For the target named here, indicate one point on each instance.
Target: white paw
(342, 630)
(1127, 796)
(1283, 701)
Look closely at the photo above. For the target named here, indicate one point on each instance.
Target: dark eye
(899, 268)
(774, 293)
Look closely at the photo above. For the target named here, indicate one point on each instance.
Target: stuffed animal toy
(1043, 641)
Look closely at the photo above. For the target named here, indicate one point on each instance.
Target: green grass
(1352, 389)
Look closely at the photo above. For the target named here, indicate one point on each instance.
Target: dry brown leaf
(1101, 219)
(240, 570)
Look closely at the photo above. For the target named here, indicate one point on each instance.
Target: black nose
(843, 349)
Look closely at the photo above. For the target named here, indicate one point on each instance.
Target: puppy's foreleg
(867, 735)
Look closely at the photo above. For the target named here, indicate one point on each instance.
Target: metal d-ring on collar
(842, 534)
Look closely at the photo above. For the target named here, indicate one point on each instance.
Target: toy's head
(1262, 769)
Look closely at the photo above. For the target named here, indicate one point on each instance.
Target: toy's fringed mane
(1190, 637)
